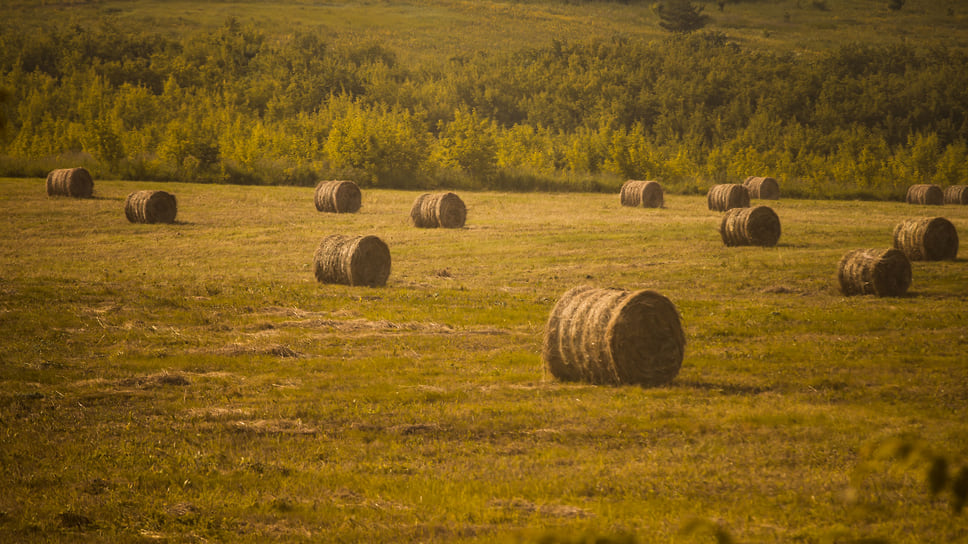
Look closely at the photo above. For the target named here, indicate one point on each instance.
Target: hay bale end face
(956, 194)
(445, 210)
(151, 207)
(765, 188)
(757, 226)
(881, 272)
(352, 260)
(612, 336)
(927, 239)
(647, 194)
(727, 196)
(73, 182)
(925, 193)
(338, 196)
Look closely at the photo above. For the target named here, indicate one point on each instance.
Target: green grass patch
(193, 382)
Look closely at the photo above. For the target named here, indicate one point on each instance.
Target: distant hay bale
(757, 226)
(727, 196)
(338, 196)
(74, 182)
(444, 210)
(925, 193)
(956, 194)
(765, 188)
(927, 239)
(647, 194)
(352, 260)
(612, 336)
(150, 207)
(881, 272)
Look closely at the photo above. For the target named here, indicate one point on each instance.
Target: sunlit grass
(192, 381)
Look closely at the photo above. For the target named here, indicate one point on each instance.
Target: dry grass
(611, 336)
(927, 239)
(151, 207)
(726, 196)
(881, 272)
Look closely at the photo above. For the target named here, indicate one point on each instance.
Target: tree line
(688, 110)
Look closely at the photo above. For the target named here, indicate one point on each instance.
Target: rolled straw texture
(881, 272)
(956, 194)
(352, 260)
(338, 196)
(756, 226)
(925, 193)
(444, 210)
(74, 182)
(612, 336)
(150, 207)
(927, 239)
(647, 194)
(726, 196)
(765, 188)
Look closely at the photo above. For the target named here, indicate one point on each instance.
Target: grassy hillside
(425, 30)
(192, 382)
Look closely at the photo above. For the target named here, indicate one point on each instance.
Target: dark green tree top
(681, 16)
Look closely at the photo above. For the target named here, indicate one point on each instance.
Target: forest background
(836, 99)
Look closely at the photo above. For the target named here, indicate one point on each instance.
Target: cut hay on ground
(757, 226)
(74, 182)
(338, 196)
(647, 194)
(881, 272)
(956, 194)
(762, 187)
(612, 336)
(352, 260)
(150, 207)
(727, 196)
(925, 193)
(927, 239)
(445, 210)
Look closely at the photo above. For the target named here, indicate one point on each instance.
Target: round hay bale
(927, 239)
(612, 336)
(150, 207)
(881, 272)
(765, 188)
(74, 182)
(338, 196)
(757, 226)
(727, 196)
(956, 194)
(647, 194)
(444, 210)
(352, 260)
(925, 193)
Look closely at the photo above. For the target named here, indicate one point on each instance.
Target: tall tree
(681, 16)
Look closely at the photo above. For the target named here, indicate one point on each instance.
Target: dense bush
(690, 110)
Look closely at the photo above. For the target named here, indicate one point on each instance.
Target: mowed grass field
(192, 382)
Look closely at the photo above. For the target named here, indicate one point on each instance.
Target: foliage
(241, 105)
(681, 16)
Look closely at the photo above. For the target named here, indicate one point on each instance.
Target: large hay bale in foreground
(352, 260)
(727, 196)
(612, 336)
(150, 207)
(765, 188)
(444, 210)
(927, 239)
(74, 182)
(925, 193)
(956, 194)
(881, 272)
(647, 194)
(756, 226)
(338, 196)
